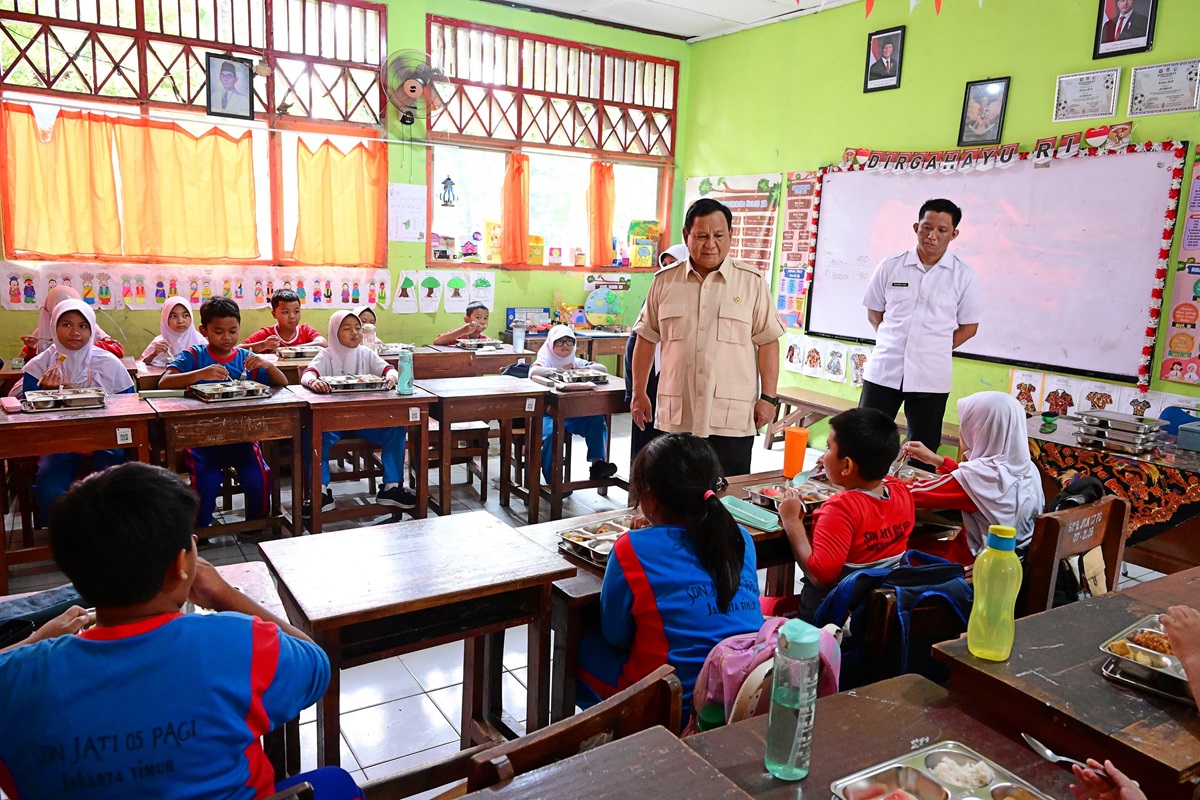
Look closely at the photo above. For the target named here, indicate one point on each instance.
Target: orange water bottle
(795, 445)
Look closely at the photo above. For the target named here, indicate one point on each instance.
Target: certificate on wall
(1164, 88)
(1086, 95)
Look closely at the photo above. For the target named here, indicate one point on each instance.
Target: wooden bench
(805, 408)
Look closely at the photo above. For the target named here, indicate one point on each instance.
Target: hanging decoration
(912, 4)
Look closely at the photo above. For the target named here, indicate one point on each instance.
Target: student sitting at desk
(176, 334)
(72, 362)
(288, 330)
(673, 590)
(346, 356)
(366, 316)
(998, 484)
(867, 524)
(152, 702)
(43, 336)
(222, 360)
(476, 322)
(558, 353)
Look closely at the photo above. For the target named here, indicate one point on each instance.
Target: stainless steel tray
(582, 376)
(594, 541)
(811, 493)
(228, 390)
(356, 383)
(1121, 422)
(298, 352)
(42, 400)
(477, 344)
(1141, 662)
(1117, 435)
(393, 348)
(1114, 446)
(914, 773)
(1114, 669)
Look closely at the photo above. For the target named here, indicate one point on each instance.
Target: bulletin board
(1067, 250)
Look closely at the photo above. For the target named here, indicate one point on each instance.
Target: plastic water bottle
(404, 366)
(997, 579)
(518, 330)
(793, 700)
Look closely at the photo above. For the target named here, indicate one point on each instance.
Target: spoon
(1050, 755)
(801, 478)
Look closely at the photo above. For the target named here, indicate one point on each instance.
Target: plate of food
(583, 375)
(355, 383)
(222, 391)
(478, 344)
(942, 771)
(769, 495)
(297, 352)
(40, 400)
(1145, 651)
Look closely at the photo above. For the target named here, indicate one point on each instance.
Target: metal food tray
(228, 390)
(1121, 422)
(1162, 666)
(913, 773)
(393, 348)
(1114, 446)
(910, 475)
(42, 400)
(811, 494)
(1117, 435)
(1114, 669)
(478, 344)
(582, 376)
(355, 383)
(594, 541)
(299, 352)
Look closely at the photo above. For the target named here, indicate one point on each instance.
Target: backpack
(918, 578)
(516, 370)
(1069, 586)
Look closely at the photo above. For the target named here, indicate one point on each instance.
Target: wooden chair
(654, 700)
(468, 445)
(1062, 534)
(931, 622)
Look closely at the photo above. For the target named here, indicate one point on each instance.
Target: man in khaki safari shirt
(720, 343)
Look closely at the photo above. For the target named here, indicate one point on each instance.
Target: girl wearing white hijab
(558, 353)
(72, 362)
(177, 333)
(998, 484)
(345, 355)
(43, 336)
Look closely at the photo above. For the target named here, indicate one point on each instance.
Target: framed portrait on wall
(885, 56)
(983, 112)
(1124, 26)
(229, 90)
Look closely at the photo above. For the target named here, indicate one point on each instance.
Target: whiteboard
(1066, 254)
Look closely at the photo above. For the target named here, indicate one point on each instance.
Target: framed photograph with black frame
(983, 112)
(230, 89)
(1124, 26)
(885, 56)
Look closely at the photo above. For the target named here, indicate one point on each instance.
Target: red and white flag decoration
(912, 4)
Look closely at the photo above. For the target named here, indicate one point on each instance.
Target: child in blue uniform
(558, 353)
(152, 702)
(671, 591)
(73, 362)
(345, 355)
(222, 360)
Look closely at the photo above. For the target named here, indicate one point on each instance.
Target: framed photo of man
(230, 90)
(983, 112)
(884, 58)
(1124, 26)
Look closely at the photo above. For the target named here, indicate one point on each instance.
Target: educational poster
(1026, 386)
(793, 284)
(1095, 396)
(1142, 404)
(483, 288)
(1178, 401)
(1182, 351)
(455, 294)
(857, 357)
(813, 363)
(793, 355)
(835, 363)
(754, 202)
(1061, 395)
(406, 212)
(26, 288)
(429, 291)
(404, 300)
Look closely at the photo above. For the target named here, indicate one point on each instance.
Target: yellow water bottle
(997, 579)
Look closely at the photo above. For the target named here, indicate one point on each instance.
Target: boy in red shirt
(288, 330)
(867, 524)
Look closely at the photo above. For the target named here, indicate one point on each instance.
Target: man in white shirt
(923, 304)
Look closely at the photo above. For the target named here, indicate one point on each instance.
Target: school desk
(606, 343)
(856, 730)
(1163, 492)
(123, 422)
(10, 377)
(1051, 688)
(489, 362)
(805, 408)
(372, 593)
(482, 399)
(351, 411)
(603, 400)
(187, 423)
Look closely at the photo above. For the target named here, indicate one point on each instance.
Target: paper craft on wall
(1061, 395)
(813, 363)
(857, 358)
(835, 363)
(483, 288)
(794, 355)
(404, 300)
(1142, 404)
(406, 212)
(26, 289)
(455, 295)
(1177, 401)
(1027, 386)
(429, 291)
(1096, 396)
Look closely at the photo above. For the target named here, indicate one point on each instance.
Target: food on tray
(900, 794)
(911, 474)
(609, 528)
(1153, 640)
(971, 776)
(771, 491)
(603, 548)
(575, 537)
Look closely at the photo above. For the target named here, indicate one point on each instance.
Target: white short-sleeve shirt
(921, 310)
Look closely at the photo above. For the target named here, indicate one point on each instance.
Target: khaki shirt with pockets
(710, 331)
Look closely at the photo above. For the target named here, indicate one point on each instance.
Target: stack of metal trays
(1119, 433)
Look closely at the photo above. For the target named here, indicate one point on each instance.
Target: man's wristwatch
(772, 400)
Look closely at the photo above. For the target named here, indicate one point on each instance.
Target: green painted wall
(789, 96)
(406, 30)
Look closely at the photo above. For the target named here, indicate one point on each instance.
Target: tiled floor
(400, 712)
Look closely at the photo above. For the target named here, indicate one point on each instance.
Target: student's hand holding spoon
(214, 372)
(919, 452)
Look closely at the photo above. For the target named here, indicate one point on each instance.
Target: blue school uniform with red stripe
(204, 464)
(170, 706)
(658, 606)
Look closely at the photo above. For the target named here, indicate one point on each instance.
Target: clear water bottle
(997, 580)
(369, 338)
(793, 700)
(404, 366)
(518, 331)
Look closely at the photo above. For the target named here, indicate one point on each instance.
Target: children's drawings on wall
(857, 358)
(1026, 386)
(483, 288)
(404, 298)
(835, 363)
(455, 294)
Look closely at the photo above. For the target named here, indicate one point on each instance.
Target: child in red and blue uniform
(675, 589)
(222, 360)
(152, 702)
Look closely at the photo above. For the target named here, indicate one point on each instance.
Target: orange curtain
(186, 196)
(61, 189)
(514, 211)
(341, 198)
(601, 204)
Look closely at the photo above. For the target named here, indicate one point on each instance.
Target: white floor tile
(375, 683)
(392, 730)
(436, 667)
(308, 749)
(396, 765)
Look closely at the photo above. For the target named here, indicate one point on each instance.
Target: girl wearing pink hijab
(43, 336)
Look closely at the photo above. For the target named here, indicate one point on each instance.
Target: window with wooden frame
(537, 95)
(318, 70)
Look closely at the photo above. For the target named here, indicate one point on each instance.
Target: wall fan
(414, 86)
